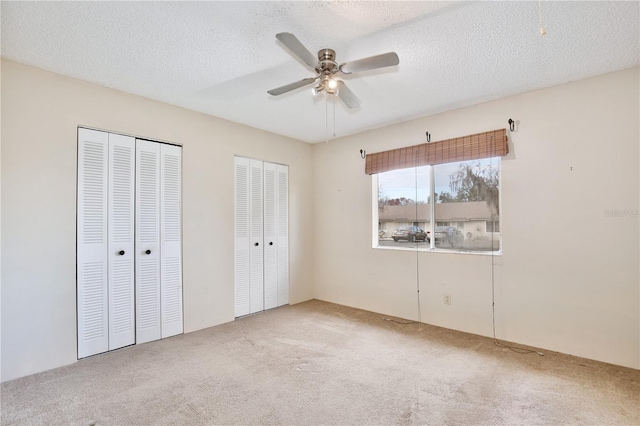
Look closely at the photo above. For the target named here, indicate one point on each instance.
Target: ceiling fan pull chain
(543, 30)
(326, 118)
(334, 116)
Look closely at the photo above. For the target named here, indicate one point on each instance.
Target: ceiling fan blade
(347, 96)
(372, 62)
(297, 48)
(291, 86)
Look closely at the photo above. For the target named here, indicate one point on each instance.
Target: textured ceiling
(220, 58)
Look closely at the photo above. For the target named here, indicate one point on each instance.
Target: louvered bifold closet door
(242, 252)
(121, 241)
(270, 236)
(92, 243)
(256, 237)
(147, 241)
(170, 237)
(283, 233)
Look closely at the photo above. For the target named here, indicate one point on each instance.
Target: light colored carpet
(320, 363)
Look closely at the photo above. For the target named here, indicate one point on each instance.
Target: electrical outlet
(447, 299)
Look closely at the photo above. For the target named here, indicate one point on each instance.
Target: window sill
(440, 250)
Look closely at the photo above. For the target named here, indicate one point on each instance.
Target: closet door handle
(271, 243)
(121, 252)
(148, 251)
(256, 244)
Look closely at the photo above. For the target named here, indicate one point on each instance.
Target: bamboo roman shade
(471, 147)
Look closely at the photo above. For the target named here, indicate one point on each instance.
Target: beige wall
(556, 286)
(568, 279)
(40, 115)
(0, 224)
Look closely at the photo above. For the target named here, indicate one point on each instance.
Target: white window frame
(432, 223)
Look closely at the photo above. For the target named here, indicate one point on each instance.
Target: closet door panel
(270, 237)
(170, 238)
(148, 325)
(261, 236)
(242, 279)
(283, 233)
(92, 243)
(256, 238)
(121, 241)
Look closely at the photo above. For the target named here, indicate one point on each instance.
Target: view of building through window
(466, 201)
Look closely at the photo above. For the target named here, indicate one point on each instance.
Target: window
(466, 206)
(448, 190)
(467, 198)
(403, 209)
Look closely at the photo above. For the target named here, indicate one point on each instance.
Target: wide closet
(129, 263)
(261, 235)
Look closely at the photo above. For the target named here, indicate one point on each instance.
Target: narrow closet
(261, 235)
(129, 265)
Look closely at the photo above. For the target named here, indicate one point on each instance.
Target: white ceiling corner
(220, 58)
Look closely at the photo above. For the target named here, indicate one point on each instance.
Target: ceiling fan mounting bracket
(326, 55)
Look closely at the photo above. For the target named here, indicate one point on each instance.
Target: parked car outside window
(409, 233)
(447, 234)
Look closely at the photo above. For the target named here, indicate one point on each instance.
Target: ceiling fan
(326, 68)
